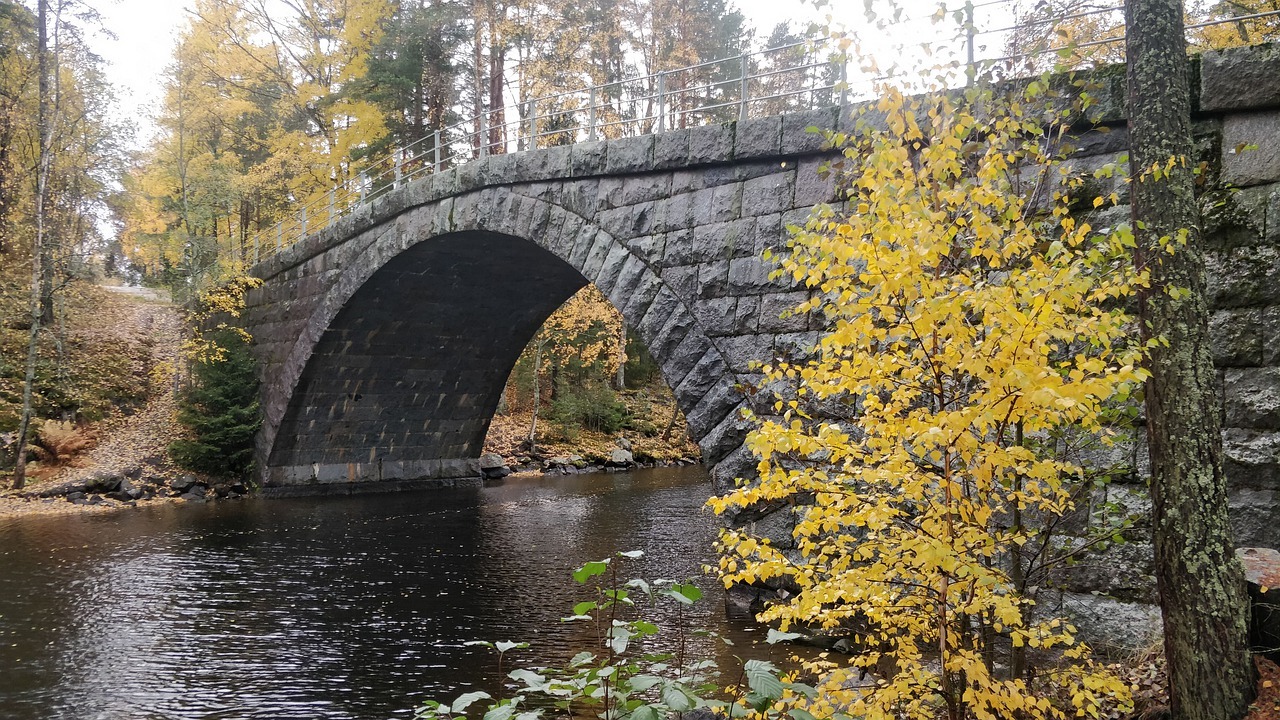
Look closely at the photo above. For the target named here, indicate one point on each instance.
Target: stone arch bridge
(386, 338)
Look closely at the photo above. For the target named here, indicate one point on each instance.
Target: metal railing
(788, 78)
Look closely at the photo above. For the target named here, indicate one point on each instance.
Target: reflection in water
(322, 607)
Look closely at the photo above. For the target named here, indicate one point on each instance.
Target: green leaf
(762, 677)
(675, 698)
(501, 712)
(528, 677)
(465, 700)
(645, 712)
(640, 683)
(798, 714)
(590, 570)
(582, 608)
(505, 645)
(777, 636)
(644, 627)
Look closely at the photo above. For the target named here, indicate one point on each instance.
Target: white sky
(145, 31)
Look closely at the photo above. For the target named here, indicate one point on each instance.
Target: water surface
(354, 607)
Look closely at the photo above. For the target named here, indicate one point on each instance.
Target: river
(353, 607)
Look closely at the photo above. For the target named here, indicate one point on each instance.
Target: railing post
(398, 160)
(363, 188)
(662, 101)
(844, 84)
(591, 116)
(302, 222)
(484, 134)
(744, 95)
(970, 32)
(533, 124)
(435, 139)
(279, 236)
(333, 204)
(256, 237)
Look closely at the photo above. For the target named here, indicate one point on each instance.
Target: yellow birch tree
(973, 319)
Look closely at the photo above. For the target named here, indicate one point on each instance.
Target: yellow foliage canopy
(972, 322)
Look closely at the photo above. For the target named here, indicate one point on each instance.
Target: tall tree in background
(44, 135)
(1200, 581)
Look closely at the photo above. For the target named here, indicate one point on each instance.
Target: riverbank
(141, 324)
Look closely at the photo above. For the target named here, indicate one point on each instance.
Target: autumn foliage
(974, 323)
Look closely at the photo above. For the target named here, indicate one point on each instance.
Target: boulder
(625, 444)
(1262, 576)
(621, 458)
(182, 483)
(493, 466)
(103, 481)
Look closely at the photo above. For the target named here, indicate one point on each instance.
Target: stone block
(609, 194)
(815, 183)
(503, 168)
(711, 144)
(630, 155)
(1271, 335)
(550, 163)
(1242, 277)
(646, 188)
(1101, 140)
(611, 269)
(601, 248)
(716, 316)
(1243, 167)
(727, 436)
(1240, 218)
(769, 194)
(1251, 398)
(725, 240)
(650, 247)
(796, 138)
(661, 309)
(580, 196)
(1240, 78)
(587, 159)
(718, 400)
(726, 203)
(680, 360)
(777, 312)
(683, 281)
(750, 276)
(743, 351)
(1236, 337)
(739, 464)
(677, 213)
(758, 138)
(1251, 457)
(1255, 521)
(671, 150)
(713, 279)
(709, 370)
(637, 301)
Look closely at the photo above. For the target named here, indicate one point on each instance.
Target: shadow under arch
(404, 363)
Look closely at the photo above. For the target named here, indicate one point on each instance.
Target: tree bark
(38, 295)
(1200, 581)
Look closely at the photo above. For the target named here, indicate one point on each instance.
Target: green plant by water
(622, 677)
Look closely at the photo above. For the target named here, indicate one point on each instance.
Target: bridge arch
(402, 359)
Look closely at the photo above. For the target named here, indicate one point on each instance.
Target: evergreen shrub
(220, 409)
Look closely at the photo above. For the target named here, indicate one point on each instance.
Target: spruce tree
(220, 410)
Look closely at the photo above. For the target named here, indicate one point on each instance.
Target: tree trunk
(537, 396)
(1200, 581)
(38, 251)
